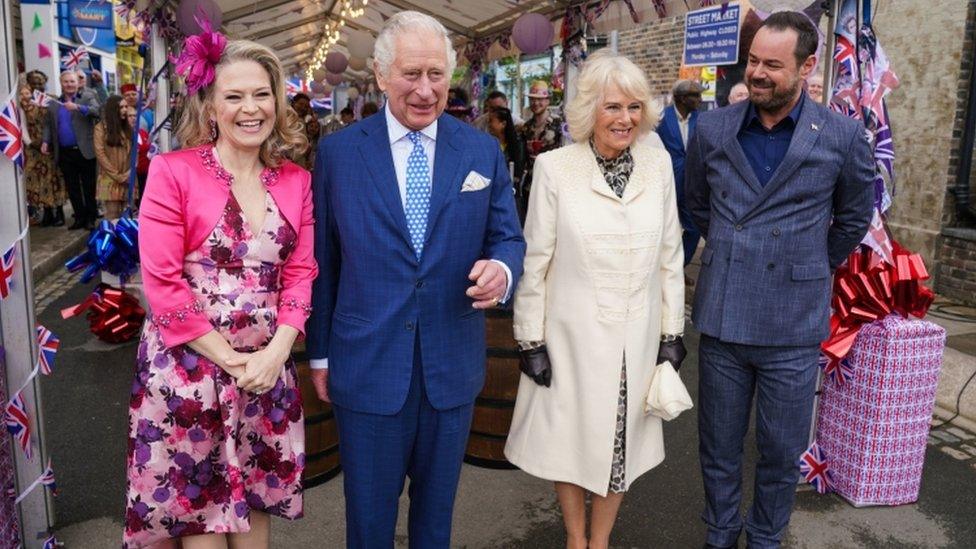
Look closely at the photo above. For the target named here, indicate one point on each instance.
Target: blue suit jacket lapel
(378, 159)
(805, 136)
(732, 148)
(447, 162)
(671, 123)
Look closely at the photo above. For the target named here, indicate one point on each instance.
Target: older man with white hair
(416, 235)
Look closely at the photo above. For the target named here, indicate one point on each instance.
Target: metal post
(158, 51)
(35, 513)
(614, 40)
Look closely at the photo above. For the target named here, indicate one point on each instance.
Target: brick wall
(656, 48)
(956, 274)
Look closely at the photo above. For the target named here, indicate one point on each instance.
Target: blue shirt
(66, 134)
(765, 149)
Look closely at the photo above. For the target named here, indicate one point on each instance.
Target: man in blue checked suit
(416, 234)
(782, 191)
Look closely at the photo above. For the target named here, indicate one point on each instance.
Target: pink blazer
(186, 192)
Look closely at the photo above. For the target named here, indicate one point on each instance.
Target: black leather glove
(673, 352)
(535, 364)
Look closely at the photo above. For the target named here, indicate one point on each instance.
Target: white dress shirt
(683, 126)
(401, 147)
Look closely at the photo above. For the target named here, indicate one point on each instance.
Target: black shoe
(58, 220)
(47, 218)
(78, 224)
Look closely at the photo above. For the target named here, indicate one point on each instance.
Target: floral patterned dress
(43, 179)
(202, 452)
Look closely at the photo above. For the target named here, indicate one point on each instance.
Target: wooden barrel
(496, 402)
(321, 433)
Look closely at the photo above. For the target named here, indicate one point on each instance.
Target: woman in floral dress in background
(45, 186)
(216, 439)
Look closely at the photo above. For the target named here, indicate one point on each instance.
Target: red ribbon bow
(869, 289)
(114, 316)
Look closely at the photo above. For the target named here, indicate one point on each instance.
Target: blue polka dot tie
(418, 193)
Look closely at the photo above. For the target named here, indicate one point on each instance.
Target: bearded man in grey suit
(782, 191)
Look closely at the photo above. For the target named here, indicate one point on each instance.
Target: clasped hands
(257, 371)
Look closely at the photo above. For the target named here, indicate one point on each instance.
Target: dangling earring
(213, 130)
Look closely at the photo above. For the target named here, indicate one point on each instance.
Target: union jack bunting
(18, 423)
(74, 57)
(11, 138)
(816, 470)
(837, 371)
(47, 478)
(47, 344)
(52, 543)
(6, 271)
(40, 98)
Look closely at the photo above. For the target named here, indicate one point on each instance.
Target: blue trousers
(783, 380)
(689, 232)
(377, 454)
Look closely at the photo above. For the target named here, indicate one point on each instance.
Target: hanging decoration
(661, 7)
(37, 22)
(348, 10)
(188, 11)
(360, 44)
(815, 469)
(43, 52)
(18, 423)
(114, 315)
(11, 135)
(46, 479)
(357, 63)
(333, 79)
(73, 58)
(532, 33)
(336, 62)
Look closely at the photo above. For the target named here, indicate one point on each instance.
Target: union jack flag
(52, 543)
(47, 478)
(74, 57)
(48, 344)
(6, 271)
(18, 423)
(816, 470)
(296, 85)
(40, 98)
(838, 371)
(11, 138)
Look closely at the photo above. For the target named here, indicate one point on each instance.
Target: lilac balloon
(317, 87)
(205, 9)
(336, 62)
(334, 79)
(532, 33)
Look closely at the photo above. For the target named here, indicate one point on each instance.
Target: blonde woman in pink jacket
(216, 440)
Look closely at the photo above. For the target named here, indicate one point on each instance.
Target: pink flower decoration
(201, 53)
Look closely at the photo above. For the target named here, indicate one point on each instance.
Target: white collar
(397, 130)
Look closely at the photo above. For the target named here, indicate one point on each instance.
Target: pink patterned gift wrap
(873, 428)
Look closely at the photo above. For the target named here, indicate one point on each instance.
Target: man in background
(676, 128)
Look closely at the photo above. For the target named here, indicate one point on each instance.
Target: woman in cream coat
(601, 301)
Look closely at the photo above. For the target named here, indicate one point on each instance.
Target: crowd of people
(77, 148)
(383, 241)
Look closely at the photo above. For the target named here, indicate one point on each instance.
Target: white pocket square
(474, 182)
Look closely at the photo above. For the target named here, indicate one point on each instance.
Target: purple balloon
(532, 33)
(205, 9)
(336, 62)
(317, 87)
(334, 79)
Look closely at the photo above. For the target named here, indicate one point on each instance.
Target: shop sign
(90, 14)
(712, 36)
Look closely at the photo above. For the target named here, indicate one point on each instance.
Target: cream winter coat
(603, 277)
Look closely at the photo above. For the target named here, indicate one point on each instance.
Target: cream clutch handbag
(667, 396)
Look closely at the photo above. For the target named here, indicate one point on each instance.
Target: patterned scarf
(616, 171)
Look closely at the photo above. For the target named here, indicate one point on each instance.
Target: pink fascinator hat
(197, 62)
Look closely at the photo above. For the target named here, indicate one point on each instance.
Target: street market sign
(712, 36)
(91, 14)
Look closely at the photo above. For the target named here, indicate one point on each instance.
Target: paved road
(85, 417)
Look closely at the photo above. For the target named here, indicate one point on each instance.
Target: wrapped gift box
(874, 428)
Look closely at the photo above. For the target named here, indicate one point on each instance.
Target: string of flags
(7, 265)
(815, 469)
(11, 136)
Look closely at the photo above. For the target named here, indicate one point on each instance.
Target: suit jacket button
(738, 227)
(420, 283)
(409, 326)
(771, 266)
(775, 232)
